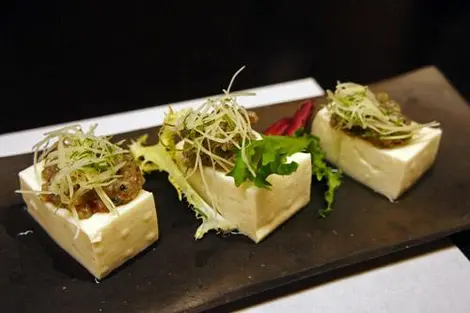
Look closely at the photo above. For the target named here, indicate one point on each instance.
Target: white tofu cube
(105, 241)
(389, 172)
(256, 212)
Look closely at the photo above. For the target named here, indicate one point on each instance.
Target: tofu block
(389, 172)
(105, 241)
(256, 211)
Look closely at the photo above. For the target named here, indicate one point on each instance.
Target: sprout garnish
(374, 117)
(84, 173)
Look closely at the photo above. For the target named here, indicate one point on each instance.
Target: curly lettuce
(161, 157)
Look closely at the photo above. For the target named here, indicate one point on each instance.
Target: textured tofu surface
(257, 211)
(389, 172)
(105, 241)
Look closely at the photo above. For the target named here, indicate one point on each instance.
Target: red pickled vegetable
(289, 126)
(278, 128)
(283, 128)
(300, 118)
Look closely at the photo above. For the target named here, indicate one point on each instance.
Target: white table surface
(433, 283)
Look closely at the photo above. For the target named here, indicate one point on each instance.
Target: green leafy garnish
(161, 157)
(269, 156)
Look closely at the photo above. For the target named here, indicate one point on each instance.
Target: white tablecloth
(436, 282)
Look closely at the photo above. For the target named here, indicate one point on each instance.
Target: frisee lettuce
(268, 156)
(161, 157)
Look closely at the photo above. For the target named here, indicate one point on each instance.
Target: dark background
(71, 60)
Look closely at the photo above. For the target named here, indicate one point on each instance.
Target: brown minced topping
(122, 191)
(393, 109)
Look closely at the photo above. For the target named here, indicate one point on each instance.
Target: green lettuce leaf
(269, 156)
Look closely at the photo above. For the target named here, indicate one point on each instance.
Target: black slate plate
(178, 274)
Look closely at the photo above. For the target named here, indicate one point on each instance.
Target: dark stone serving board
(179, 274)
